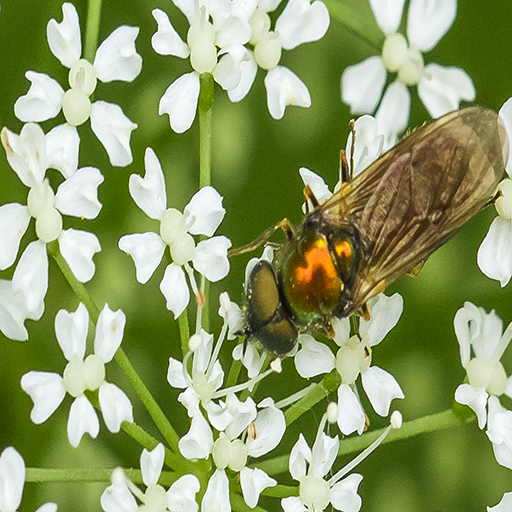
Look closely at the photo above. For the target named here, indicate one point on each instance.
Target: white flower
(12, 481)
(30, 154)
(440, 89)
(201, 216)
(495, 252)
(217, 47)
(116, 59)
(180, 497)
(353, 359)
(230, 451)
(47, 390)
(481, 333)
(309, 467)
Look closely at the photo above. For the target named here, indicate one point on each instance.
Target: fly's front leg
(260, 240)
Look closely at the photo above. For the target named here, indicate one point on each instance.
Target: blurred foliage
(255, 162)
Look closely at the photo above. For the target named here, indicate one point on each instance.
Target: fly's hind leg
(260, 240)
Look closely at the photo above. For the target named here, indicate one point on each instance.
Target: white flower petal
(109, 333)
(113, 129)
(180, 102)
(146, 249)
(252, 359)
(31, 275)
(148, 192)
(118, 498)
(12, 479)
(285, 88)
(344, 494)
(385, 312)
(64, 37)
(505, 117)
(476, 399)
(46, 391)
(248, 69)
(293, 504)
(499, 433)
(78, 249)
(253, 482)
(62, 145)
(495, 252)
(216, 497)
(313, 358)
(117, 58)
(388, 14)
(71, 331)
(43, 100)
(428, 21)
(227, 72)
(323, 455)
(14, 219)
(270, 426)
(362, 85)
(197, 443)
(26, 153)
(368, 145)
(13, 312)
(175, 290)
(204, 212)
(82, 419)
(175, 374)
(316, 184)
(300, 454)
(381, 388)
(350, 412)
(302, 22)
(78, 195)
(181, 496)
(166, 40)
(211, 258)
(393, 113)
(243, 414)
(115, 406)
(441, 89)
(47, 507)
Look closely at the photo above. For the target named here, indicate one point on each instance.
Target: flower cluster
(217, 43)
(440, 89)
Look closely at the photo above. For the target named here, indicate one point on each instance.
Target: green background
(254, 166)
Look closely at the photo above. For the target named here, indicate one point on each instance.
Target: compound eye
(345, 258)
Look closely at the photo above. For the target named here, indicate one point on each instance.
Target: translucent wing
(417, 195)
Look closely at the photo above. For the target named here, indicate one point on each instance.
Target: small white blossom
(495, 252)
(480, 333)
(12, 481)
(440, 89)
(505, 505)
(120, 496)
(309, 467)
(47, 390)
(116, 59)
(30, 154)
(352, 359)
(201, 216)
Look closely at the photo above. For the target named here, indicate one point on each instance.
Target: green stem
(184, 331)
(122, 360)
(426, 424)
(363, 27)
(75, 475)
(205, 129)
(323, 389)
(92, 28)
(149, 402)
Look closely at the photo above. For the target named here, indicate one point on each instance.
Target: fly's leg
(260, 240)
